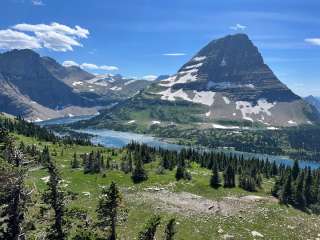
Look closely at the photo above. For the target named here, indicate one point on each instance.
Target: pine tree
(149, 231)
(215, 179)
(54, 196)
(299, 197)
(12, 199)
(170, 230)
(75, 162)
(286, 192)
(139, 174)
(295, 170)
(229, 177)
(308, 187)
(108, 208)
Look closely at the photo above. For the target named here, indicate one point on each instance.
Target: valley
(200, 211)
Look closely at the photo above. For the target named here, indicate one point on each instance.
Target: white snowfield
(193, 66)
(247, 109)
(203, 97)
(77, 83)
(131, 121)
(226, 100)
(116, 88)
(155, 122)
(129, 82)
(187, 74)
(292, 122)
(218, 126)
(199, 59)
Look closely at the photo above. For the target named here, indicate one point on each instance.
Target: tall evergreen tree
(308, 186)
(215, 179)
(286, 192)
(54, 196)
(295, 170)
(229, 177)
(108, 208)
(170, 229)
(139, 174)
(299, 198)
(149, 231)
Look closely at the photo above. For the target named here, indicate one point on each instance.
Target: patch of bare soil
(190, 204)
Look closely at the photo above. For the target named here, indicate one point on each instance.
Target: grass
(270, 219)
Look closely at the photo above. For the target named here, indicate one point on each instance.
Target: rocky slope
(314, 101)
(40, 88)
(226, 81)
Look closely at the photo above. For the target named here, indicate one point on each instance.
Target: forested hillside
(65, 188)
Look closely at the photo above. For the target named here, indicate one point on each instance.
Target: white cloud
(174, 54)
(70, 63)
(10, 39)
(150, 77)
(90, 66)
(57, 37)
(109, 68)
(37, 2)
(313, 41)
(238, 27)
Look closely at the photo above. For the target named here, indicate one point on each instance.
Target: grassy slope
(272, 220)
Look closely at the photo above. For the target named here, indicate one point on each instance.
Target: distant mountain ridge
(226, 81)
(40, 88)
(314, 101)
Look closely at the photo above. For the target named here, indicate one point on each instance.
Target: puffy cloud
(37, 2)
(70, 63)
(10, 39)
(150, 77)
(174, 54)
(90, 66)
(57, 37)
(238, 27)
(313, 41)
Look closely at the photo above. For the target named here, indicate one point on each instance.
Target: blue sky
(133, 37)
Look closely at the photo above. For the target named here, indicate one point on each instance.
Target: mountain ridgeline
(39, 88)
(225, 83)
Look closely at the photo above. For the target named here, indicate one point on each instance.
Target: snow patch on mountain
(247, 109)
(129, 82)
(77, 83)
(116, 88)
(203, 97)
(226, 100)
(199, 59)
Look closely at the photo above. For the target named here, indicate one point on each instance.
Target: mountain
(39, 88)
(225, 82)
(314, 101)
(30, 89)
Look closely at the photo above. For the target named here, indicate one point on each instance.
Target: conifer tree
(12, 199)
(170, 230)
(54, 196)
(308, 186)
(75, 162)
(139, 174)
(108, 208)
(149, 231)
(229, 177)
(286, 192)
(299, 197)
(215, 179)
(295, 170)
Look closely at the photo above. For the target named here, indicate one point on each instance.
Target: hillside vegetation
(204, 193)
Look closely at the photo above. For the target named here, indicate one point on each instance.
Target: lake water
(117, 139)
